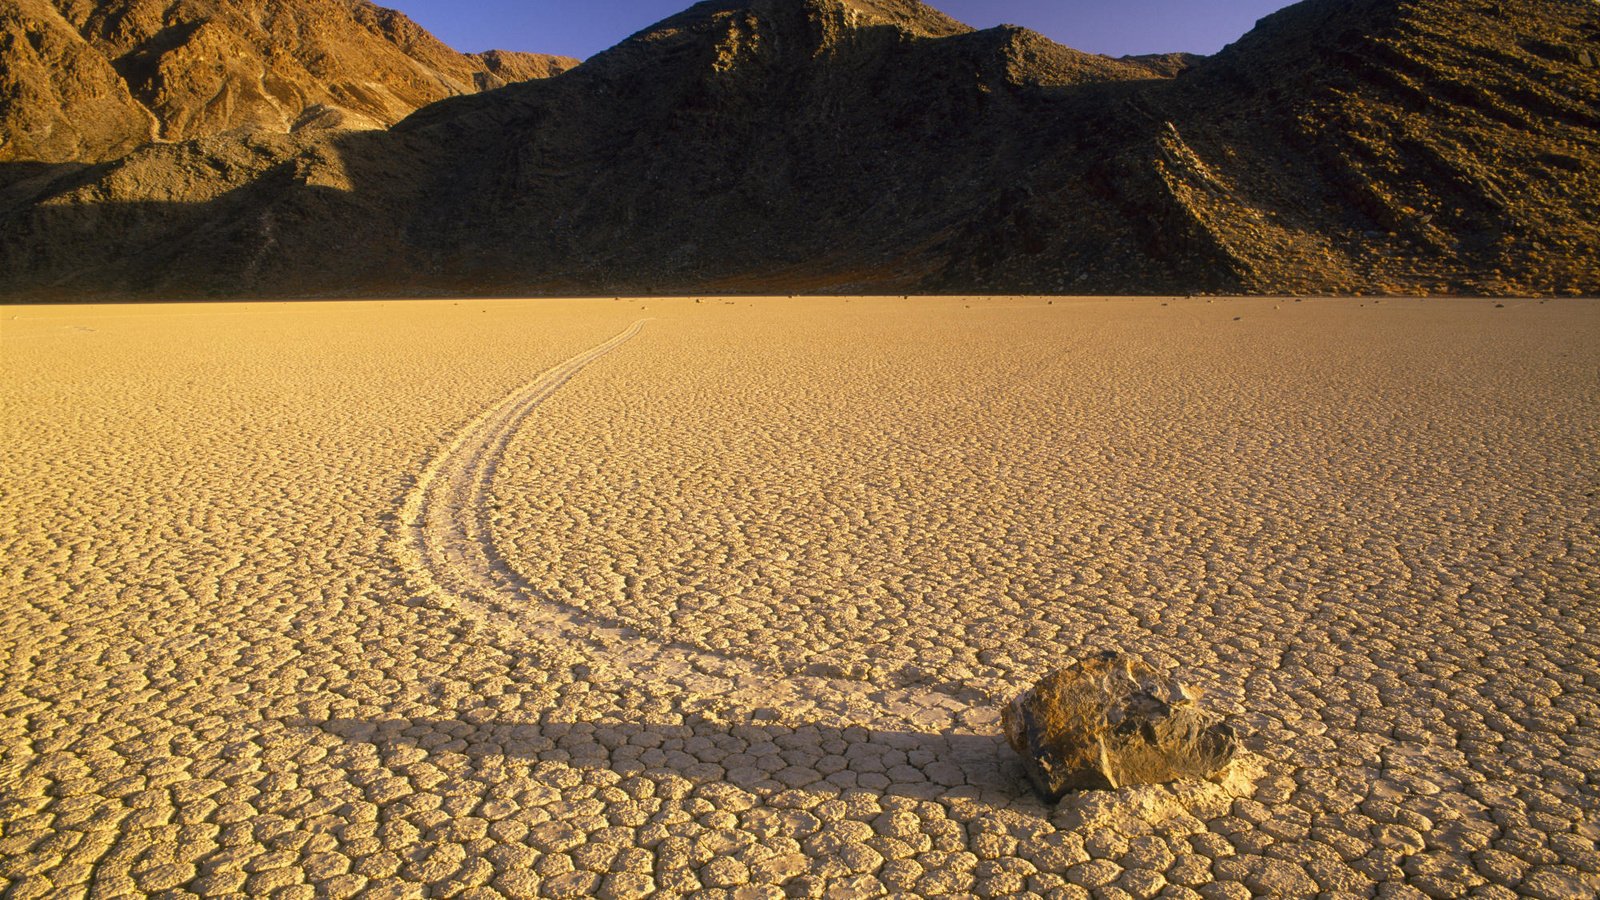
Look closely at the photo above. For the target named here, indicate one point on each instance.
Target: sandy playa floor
(606, 598)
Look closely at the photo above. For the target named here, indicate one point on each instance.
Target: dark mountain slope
(1431, 144)
(788, 145)
(1346, 146)
(768, 138)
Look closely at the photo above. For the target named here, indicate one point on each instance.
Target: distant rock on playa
(1109, 721)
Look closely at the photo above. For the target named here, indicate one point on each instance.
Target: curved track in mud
(448, 546)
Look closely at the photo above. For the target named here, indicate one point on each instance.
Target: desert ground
(720, 596)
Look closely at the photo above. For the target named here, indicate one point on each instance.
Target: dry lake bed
(720, 596)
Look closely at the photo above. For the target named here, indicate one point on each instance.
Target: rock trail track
(446, 544)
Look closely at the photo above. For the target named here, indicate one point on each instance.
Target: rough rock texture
(87, 81)
(503, 67)
(60, 99)
(1110, 721)
(840, 145)
(1166, 64)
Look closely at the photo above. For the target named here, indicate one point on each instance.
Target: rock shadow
(763, 758)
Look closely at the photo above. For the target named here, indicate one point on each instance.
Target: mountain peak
(909, 15)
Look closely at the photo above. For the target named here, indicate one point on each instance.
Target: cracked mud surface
(540, 599)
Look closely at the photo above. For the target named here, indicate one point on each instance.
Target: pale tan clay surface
(627, 597)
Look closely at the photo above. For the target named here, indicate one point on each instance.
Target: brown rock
(503, 67)
(1110, 721)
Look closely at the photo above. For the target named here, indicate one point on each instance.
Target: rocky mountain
(88, 81)
(878, 145)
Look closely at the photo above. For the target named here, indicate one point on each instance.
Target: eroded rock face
(60, 98)
(86, 82)
(1110, 721)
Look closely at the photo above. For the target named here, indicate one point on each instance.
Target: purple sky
(583, 28)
